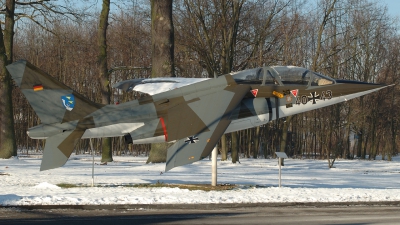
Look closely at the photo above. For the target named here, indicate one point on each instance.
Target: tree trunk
(372, 153)
(8, 145)
(158, 152)
(106, 155)
(162, 39)
(162, 51)
(235, 147)
(283, 143)
(359, 143)
(256, 143)
(224, 152)
(249, 140)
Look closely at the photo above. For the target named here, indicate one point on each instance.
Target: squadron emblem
(68, 101)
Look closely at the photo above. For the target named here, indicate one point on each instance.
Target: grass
(192, 187)
(65, 185)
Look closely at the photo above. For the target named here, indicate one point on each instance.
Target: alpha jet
(192, 113)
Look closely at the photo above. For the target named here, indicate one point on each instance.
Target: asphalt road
(299, 215)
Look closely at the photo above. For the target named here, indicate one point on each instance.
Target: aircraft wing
(154, 86)
(214, 110)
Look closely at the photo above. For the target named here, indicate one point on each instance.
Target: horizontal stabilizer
(60, 146)
(58, 149)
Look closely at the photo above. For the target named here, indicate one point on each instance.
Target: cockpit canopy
(282, 76)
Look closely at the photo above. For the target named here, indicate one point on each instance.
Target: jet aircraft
(194, 112)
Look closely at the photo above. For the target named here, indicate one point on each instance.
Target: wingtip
(52, 160)
(17, 70)
(168, 167)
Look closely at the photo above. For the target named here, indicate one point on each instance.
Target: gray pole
(214, 155)
(214, 166)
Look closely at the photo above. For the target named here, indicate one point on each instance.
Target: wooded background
(343, 39)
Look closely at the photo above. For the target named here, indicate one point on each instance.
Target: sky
(393, 7)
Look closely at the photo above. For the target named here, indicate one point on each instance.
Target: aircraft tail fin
(52, 100)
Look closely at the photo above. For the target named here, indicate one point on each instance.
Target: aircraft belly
(158, 139)
(151, 129)
(114, 130)
(239, 124)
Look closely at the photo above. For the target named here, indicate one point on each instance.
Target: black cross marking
(313, 97)
(192, 140)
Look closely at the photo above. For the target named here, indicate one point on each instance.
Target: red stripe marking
(164, 129)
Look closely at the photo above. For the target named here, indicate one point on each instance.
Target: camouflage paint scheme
(194, 116)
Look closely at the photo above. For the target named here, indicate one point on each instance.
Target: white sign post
(214, 155)
(281, 155)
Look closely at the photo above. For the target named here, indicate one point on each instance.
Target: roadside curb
(203, 206)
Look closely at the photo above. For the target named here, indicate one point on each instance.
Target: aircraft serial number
(314, 97)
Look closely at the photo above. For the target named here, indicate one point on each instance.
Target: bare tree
(106, 155)
(29, 9)
(162, 38)
(8, 146)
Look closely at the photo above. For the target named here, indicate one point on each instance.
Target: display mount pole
(214, 155)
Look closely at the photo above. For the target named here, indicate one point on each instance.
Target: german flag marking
(37, 87)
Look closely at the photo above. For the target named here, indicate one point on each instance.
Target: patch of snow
(45, 185)
(154, 86)
(256, 179)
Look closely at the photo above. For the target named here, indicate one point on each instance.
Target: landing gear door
(263, 111)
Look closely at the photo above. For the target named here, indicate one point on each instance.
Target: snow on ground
(302, 181)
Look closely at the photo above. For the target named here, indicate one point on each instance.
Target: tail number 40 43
(314, 97)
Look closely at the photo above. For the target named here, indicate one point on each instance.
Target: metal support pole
(91, 146)
(214, 166)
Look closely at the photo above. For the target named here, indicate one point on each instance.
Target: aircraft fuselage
(193, 113)
(140, 120)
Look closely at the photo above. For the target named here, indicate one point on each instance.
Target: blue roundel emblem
(68, 101)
